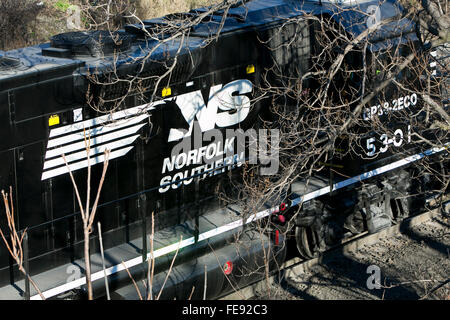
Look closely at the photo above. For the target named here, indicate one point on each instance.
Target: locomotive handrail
(425, 153)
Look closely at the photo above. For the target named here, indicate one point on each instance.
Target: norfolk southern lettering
(211, 157)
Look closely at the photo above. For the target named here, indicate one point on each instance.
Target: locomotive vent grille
(8, 63)
(89, 43)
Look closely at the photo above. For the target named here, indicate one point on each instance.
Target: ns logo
(227, 105)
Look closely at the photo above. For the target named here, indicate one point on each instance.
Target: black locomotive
(47, 94)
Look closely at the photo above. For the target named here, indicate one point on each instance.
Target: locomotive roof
(351, 14)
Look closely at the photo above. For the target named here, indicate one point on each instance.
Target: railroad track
(296, 265)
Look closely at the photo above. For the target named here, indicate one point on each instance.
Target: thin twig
(170, 269)
(151, 266)
(15, 248)
(134, 282)
(205, 285)
(192, 292)
(87, 215)
(103, 260)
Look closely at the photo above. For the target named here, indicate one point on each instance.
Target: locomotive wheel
(306, 239)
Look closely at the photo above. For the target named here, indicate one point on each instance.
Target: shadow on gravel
(353, 272)
(427, 240)
(346, 277)
(443, 224)
(286, 286)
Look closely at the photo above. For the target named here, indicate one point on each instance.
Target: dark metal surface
(44, 81)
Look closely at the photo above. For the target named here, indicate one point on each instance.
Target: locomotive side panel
(160, 160)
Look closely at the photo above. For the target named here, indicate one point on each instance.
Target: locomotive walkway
(70, 276)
